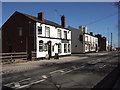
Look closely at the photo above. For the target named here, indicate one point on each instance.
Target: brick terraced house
(26, 33)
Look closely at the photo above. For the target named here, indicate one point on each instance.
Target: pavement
(18, 67)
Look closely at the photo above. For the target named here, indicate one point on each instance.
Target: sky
(99, 17)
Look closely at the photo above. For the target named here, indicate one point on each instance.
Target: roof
(72, 28)
(90, 34)
(45, 21)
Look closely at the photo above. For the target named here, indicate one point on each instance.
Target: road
(83, 73)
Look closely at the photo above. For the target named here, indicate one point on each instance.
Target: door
(49, 48)
(96, 47)
(89, 47)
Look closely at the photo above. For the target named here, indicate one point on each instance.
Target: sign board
(64, 41)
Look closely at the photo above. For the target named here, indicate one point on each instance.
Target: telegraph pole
(111, 41)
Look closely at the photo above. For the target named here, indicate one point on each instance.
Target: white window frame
(59, 48)
(65, 34)
(47, 31)
(59, 33)
(69, 48)
(39, 32)
(65, 48)
(41, 45)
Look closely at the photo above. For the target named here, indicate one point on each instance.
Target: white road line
(31, 83)
(57, 71)
(62, 71)
(44, 76)
(18, 81)
(25, 79)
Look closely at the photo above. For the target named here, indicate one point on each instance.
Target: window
(65, 48)
(68, 47)
(39, 30)
(86, 48)
(59, 33)
(59, 48)
(20, 31)
(65, 34)
(53, 48)
(86, 38)
(47, 31)
(40, 46)
(45, 47)
(90, 39)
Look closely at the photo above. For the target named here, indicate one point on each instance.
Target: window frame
(65, 36)
(41, 45)
(59, 48)
(65, 48)
(69, 48)
(39, 29)
(46, 31)
(59, 34)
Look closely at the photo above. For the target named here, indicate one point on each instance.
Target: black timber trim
(54, 38)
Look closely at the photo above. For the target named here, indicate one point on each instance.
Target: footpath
(23, 66)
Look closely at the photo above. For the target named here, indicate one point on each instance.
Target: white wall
(90, 42)
(53, 38)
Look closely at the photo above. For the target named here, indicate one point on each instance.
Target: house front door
(49, 48)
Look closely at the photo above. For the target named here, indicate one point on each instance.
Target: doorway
(49, 49)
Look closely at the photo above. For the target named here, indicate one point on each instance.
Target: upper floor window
(20, 31)
(47, 31)
(86, 38)
(59, 33)
(39, 30)
(65, 34)
(90, 39)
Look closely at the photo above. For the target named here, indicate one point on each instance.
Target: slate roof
(72, 28)
(45, 21)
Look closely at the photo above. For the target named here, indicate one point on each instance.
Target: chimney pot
(63, 21)
(41, 16)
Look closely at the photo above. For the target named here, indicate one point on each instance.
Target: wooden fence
(13, 56)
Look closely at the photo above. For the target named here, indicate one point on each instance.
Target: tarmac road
(83, 73)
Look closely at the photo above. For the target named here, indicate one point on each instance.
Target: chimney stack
(91, 33)
(41, 16)
(83, 29)
(63, 21)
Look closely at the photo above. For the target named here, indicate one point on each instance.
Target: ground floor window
(59, 48)
(86, 48)
(53, 48)
(45, 47)
(68, 47)
(65, 48)
(40, 46)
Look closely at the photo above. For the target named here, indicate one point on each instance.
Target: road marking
(57, 71)
(31, 83)
(61, 71)
(18, 81)
(17, 84)
(44, 76)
